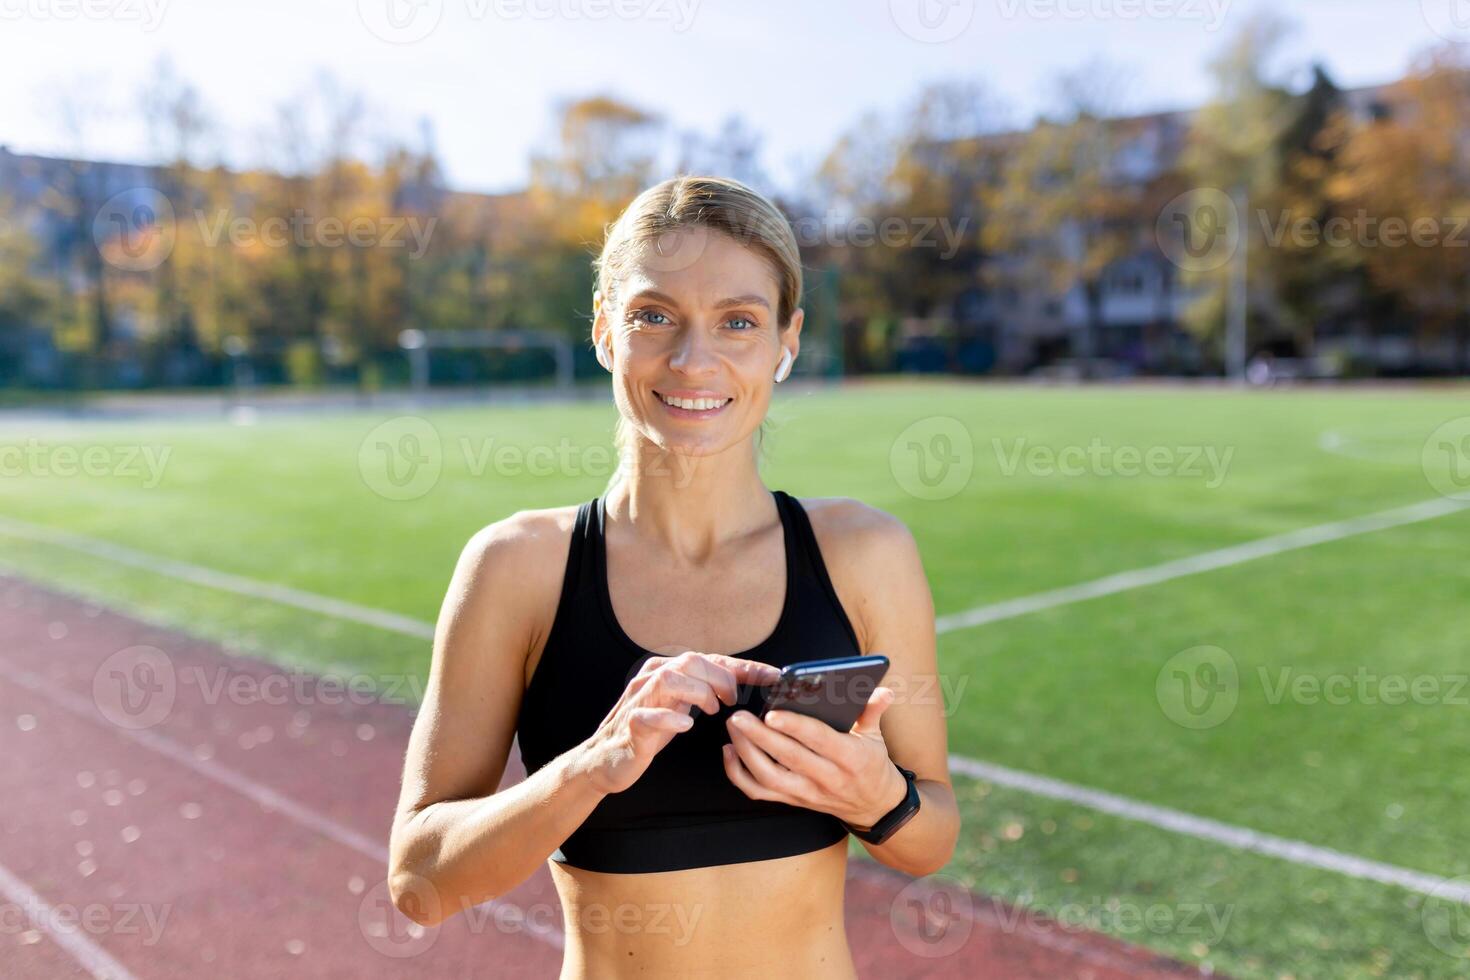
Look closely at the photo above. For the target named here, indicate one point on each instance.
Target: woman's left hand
(792, 758)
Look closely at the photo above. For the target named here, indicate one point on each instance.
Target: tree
(1411, 166)
(915, 173)
(1064, 207)
(78, 200)
(733, 152)
(23, 299)
(604, 154)
(1237, 146)
(177, 125)
(1308, 273)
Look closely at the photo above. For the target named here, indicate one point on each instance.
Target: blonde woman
(614, 639)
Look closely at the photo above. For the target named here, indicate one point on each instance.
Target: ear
(600, 332)
(791, 336)
(599, 316)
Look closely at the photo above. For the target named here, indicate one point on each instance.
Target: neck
(686, 507)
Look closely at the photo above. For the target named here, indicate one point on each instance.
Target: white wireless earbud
(784, 368)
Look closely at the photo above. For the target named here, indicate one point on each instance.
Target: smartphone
(834, 691)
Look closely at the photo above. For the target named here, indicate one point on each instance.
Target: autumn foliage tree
(1064, 210)
(1406, 172)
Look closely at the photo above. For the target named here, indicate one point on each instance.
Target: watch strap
(891, 821)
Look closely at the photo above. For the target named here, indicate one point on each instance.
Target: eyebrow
(746, 300)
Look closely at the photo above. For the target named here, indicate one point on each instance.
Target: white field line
(1173, 820)
(1204, 562)
(200, 575)
(1355, 448)
(93, 958)
(1240, 838)
(994, 612)
(1338, 444)
(268, 798)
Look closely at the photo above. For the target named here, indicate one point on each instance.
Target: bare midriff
(780, 917)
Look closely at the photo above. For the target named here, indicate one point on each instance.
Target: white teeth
(694, 404)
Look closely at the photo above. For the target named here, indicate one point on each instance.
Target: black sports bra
(683, 812)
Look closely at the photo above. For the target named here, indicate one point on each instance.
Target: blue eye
(743, 319)
(641, 314)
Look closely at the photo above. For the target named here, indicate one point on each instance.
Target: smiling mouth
(693, 406)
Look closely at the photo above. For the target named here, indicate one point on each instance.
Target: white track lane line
(250, 789)
(225, 581)
(93, 958)
(1177, 821)
(1240, 838)
(1238, 554)
(994, 612)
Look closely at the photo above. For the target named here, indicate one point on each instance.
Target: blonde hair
(717, 203)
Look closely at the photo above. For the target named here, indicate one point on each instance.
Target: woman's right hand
(655, 706)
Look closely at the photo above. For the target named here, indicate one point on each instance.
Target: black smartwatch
(889, 823)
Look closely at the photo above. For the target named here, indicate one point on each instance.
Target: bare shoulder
(844, 525)
(872, 560)
(511, 570)
(503, 589)
(526, 535)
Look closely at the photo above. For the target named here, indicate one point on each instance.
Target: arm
(456, 842)
(897, 619)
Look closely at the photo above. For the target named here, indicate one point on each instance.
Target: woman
(619, 638)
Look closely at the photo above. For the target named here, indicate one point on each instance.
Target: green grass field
(1070, 692)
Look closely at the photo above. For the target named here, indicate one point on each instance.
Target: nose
(694, 354)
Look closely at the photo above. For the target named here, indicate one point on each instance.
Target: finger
(741, 776)
(867, 723)
(702, 666)
(769, 773)
(786, 750)
(746, 671)
(650, 729)
(815, 734)
(671, 687)
(660, 720)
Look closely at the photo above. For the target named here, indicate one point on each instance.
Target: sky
(487, 74)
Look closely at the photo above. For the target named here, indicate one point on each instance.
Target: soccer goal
(417, 344)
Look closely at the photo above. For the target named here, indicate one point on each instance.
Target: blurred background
(194, 196)
(1149, 318)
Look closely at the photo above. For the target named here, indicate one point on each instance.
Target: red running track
(171, 810)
